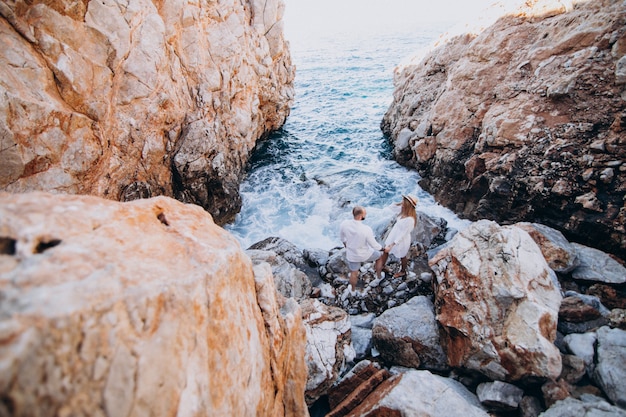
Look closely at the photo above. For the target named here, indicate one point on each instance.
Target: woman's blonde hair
(408, 210)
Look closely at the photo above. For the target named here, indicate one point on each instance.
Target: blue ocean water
(330, 155)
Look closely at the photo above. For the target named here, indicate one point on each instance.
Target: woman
(398, 241)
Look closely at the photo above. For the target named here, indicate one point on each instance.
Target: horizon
(307, 22)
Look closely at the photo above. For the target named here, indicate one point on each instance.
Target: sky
(309, 19)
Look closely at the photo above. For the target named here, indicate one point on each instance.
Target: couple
(361, 245)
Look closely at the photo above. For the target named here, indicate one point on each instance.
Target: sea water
(330, 155)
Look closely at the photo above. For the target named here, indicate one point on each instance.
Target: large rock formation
(524, 121)
(497, 302)
(140, 308)
(128, 99)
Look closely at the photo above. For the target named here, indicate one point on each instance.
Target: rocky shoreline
(101, 307)
(515, 320)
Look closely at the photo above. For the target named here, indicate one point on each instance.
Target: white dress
(400, 235)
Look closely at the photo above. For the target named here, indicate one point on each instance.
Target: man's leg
(354, 277)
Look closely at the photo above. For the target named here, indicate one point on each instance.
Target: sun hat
(411, 198)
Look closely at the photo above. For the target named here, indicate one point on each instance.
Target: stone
(588, 407)
(420, 394)
(609, 296)
(354, 388)
(328, 347)
(574, 369)
(360, 373)
(362, 334)
(113, 94)
(617, 318)
(554, 391)
(103, 302)
(574, 309)
(530, 406)
(558, 252)
(583, 346)
(408, 336)
(497, 302)
(596, 265)
(290, 281)
(498, 395)
(610, 371)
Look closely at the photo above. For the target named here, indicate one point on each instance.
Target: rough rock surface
(129, 99)
(438, 396)
(611, 372)
(524, 121)
(408, 335)
(139, 308)
(497, 302)
(328, 348)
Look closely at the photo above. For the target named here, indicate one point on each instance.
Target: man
(360, 243)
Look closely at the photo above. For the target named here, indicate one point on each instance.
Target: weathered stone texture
(497, 302)
(524, 121)
(105, 97)
(139, 308)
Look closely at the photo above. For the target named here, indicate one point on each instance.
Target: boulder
(289, 281)
(142, 308)
(497, 301)
(558, 251)
(499, 396)
(408, 335)
(420, 394)
(596, 265)
(610, 372)
(131, 99)
(328, 346)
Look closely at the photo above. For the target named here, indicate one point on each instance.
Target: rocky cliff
(139, 308)
(524, 121)
(128, 99)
